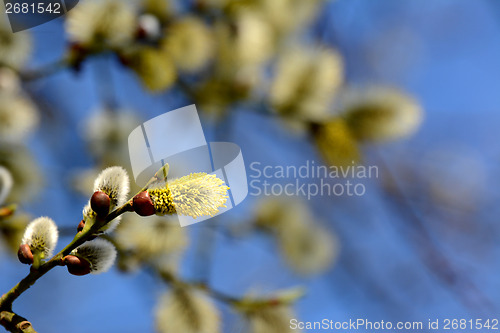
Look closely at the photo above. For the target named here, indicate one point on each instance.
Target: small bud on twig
(24, 254)
(77, 266)
(111, 184)
(81, 225)
(143, 205)
(100, 203)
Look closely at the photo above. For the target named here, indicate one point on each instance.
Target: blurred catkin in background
(290, 81)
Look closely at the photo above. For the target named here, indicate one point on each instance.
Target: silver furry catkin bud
(100, 254)
(41, 236)
(114, 183)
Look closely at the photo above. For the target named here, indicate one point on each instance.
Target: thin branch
(8, 299)
(169, 278)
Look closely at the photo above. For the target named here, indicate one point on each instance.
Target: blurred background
(405, 87)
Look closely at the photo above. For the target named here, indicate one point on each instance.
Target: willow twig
(8, 298)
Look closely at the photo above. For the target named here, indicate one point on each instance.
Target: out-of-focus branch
(433, 258)
(46, 70)
(172, 279)
(42, 71)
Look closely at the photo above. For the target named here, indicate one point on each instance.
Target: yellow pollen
(162, 200)
(195, 195)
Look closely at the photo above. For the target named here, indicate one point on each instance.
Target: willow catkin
(41, 235)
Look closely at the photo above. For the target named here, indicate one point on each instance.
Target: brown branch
(15, 323)
(8, 299)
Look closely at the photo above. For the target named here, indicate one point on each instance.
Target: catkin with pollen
(195, 195)
(162, 200)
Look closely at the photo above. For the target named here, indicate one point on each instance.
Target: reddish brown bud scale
(124, 60)
(143, 205)
(81, 225)
(100, 203)
(141, 33)
(77, 266)
(24, 254)
(77, 47)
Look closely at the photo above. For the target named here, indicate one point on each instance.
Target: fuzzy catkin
(100, 253)
(195, 195)
(41, 235)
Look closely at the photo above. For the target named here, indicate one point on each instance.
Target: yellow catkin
(336, 143)
(195, 195)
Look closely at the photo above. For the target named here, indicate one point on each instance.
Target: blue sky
(444, 52)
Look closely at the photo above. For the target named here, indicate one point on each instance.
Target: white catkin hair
(100, 253)
(114, 182)
(41, 235)
(6, 182)
(112, 225)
